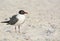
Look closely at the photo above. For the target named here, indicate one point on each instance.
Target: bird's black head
(22, 12)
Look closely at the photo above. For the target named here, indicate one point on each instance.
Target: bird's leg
(19, 28)
(15, 28)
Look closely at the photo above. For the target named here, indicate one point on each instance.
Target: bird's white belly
(21, 19)
(19, 22)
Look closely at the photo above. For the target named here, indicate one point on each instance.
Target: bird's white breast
(21, 19)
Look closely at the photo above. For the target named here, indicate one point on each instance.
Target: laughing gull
(17, 20)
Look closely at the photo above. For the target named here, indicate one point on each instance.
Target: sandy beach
(41, 24)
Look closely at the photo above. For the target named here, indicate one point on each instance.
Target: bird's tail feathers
(5, 22)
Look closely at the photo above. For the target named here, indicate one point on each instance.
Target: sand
(42, 23)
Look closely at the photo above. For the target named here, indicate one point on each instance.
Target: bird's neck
(20, 16)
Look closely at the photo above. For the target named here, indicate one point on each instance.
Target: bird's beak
(26, 12)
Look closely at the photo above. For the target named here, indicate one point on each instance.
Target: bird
(17, 20)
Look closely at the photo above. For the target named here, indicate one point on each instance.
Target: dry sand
(42, 23)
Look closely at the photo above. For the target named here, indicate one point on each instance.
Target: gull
(17, 20)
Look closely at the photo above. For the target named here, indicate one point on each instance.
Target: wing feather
(13, 20)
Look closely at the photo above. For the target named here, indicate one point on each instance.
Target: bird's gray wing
(13, 20)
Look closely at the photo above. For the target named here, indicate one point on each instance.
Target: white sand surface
(42, 23)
